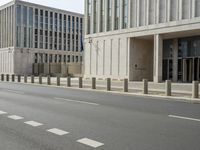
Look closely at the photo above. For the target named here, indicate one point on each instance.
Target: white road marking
(33, 123)
(16, 92)
(57, 131)
(3, 112)
(90, 142)
(185, 118)
(76, 101)
(14, 117)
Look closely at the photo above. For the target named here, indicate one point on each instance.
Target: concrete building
(136, 39)
(36, 38)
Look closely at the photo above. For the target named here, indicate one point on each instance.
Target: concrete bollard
(13, 78)
(2, 77)
(58, 81)
(80, 82)
(40, 79)
(19, 78)
(68, 81)
(25, 78)
(108, 84)
(145, 86)
(125, 85)
(168, 88)
(32, 79)
(93, 83)
(195, 89)
(7, 77)
(48, 80)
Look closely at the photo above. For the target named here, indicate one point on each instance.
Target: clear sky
(70, 5)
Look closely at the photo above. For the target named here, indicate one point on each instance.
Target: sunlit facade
(136, 39)
(32, 33)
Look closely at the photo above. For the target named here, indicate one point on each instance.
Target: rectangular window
(95, 16)
(109, 15)
(125, 14)
(25, 16)
(30, 17)
(89, 12)
(102, 16)
(117, 14)
(18, 15)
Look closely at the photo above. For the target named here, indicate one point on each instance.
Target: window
(102, 16)
(95, 16)
(69, 24)
(36, 18)
(41, 19)
(25, 16)
(109, 16)
(89, 11)
(125, 14)
(117, 14)
(30, 17)
(18, 15)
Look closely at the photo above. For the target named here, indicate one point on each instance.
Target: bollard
(168, 88)
(2, 77)
(7, 77)
(108, 84)
(58, 81)
(25, 78)
(13, 78)
(68, 81)
(40, 79)
(93, 83)
(32, 79)
(145, 86)
(125, 85)
(195, 89)
(80, 82)
(19, 78)
(48, 80)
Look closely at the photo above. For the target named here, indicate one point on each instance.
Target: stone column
(158, 58)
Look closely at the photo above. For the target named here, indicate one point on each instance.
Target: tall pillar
(175, 60)
(158, 58)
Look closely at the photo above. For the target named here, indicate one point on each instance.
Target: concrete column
(13, 78)
(25, 79)
(40, 79)
(48, 80)
(32, 79)
(19, 78)
(68, 81)
(168, 88)
(108, 84)
(7, 77)
(125, 85)
(195, 89)
(158, 57)
(93, 83)
(80, 82)
(58, 81)
(145, 86)
(175, 60)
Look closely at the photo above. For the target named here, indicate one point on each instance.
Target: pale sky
(70, 5)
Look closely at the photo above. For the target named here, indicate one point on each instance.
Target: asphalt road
(47, 118)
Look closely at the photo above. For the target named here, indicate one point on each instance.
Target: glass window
(31, 17)
(95, 16)
(102, 16)
(109, 17)
(89, 11)
(25, 16)
(117, 14)
(125, 14)
(69, 24)
(18, 15)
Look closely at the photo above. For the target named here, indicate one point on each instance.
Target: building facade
(136, 39)
(31, 33)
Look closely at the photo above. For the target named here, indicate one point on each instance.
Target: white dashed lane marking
(33, 123)
(90, 142)
(77, 101)
(185, 118)
(57, 131)
(14, 117)
(2, 112)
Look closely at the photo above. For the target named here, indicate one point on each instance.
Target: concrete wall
(141, 59)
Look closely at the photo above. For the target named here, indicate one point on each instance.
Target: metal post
(32, 79)
(58, 81)
(145, 86)
(93, 83)
(7, 77)
(168, 88)
(13, 78)
(48, 80)
(108, 84)
(125, 85)
(40, 79)
(25, 78)
(80, 82)
(195, 89)
(19, 78)
(68, 81)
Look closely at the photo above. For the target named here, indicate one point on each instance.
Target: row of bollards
(168, 84)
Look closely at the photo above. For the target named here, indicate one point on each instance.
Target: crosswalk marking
(33, 123)
(90, 142)
(57, 131)
(14, 117)
(3, 112)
